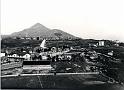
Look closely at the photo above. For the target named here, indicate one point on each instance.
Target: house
(93, 43)
(44, 57)
(53, 49)
(19, 55)
(2, 54)
(101, 43)
(12, 55)
(15, 59)
(31, 51)
(116, 44)
(26, 56)
(22, 38)
(110, 53)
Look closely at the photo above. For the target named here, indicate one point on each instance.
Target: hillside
(38, 30)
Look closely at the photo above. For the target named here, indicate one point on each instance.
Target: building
(101, 43)
(2, 54)
(110, 53)
(12, 55)
(26, 56)
(19, 55)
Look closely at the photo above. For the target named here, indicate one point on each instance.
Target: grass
(49, 81)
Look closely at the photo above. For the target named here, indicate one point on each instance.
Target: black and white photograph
(62, 44)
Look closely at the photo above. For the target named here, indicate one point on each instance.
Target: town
(62, 59)
(62, 44)
(56, 56)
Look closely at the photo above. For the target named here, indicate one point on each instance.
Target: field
(87, 82)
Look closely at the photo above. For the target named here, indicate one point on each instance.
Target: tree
(58, 35)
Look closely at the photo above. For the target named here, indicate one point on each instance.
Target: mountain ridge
(41, 31)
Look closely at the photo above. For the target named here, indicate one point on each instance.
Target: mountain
(38, 30)
(5, 36)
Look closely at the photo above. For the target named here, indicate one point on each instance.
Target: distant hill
(5, 36)
(38, 30)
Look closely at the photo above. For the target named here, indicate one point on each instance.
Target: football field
(87, 82)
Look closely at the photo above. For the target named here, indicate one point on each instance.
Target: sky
(88, 19)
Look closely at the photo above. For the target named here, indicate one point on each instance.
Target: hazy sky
(98, 19)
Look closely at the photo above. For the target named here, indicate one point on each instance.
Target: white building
(101, 43)
(2, 54)
(13, 55)
(26, 56)
(110, 53)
